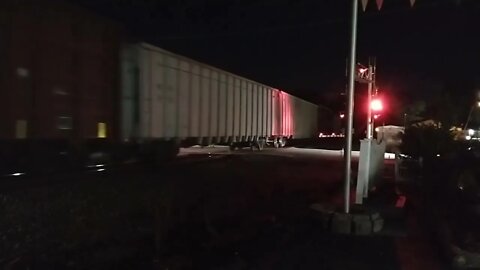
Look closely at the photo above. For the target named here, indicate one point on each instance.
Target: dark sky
(301, 46)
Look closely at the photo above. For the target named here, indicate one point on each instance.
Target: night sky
(301, 46)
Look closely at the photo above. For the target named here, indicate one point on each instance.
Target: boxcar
(170, 98)
(58, 79)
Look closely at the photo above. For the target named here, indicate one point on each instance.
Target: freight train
(169, 97)
(70, 84)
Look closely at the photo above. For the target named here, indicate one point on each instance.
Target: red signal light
(376, 105)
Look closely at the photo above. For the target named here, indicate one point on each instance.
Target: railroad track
(21, 180)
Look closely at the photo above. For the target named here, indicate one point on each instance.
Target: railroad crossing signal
(350, 94)
(376, 105)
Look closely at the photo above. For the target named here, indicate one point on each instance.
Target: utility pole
(351, 91)
(372, 66)
(369, 100)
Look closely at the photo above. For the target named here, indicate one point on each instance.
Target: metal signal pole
(369, 101)
(350, 95)
(371, 85)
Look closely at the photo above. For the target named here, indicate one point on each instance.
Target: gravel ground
(241, 210)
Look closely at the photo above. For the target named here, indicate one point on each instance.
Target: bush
(427, 141)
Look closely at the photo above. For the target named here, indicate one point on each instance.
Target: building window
(102, 130)
(21, 129)
(75, 30)
(23, 72)
(64, 122)
(60, 91)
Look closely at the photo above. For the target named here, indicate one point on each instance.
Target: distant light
(438, 155)
(100, 170)
(17, 174)
(469, 148)
(377, 129)
(389, 156)
(342, 115)
(468, 137)
(96, 166)
(471, 132)
(375, 116)
(478, 103)
(331, 135)
(363, 70)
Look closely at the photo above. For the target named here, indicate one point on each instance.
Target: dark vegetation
(447, 189)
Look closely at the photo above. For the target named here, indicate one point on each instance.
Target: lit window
(59, 91)
(21, 129)
(64, 122)
(23, 72)
(102, 130)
